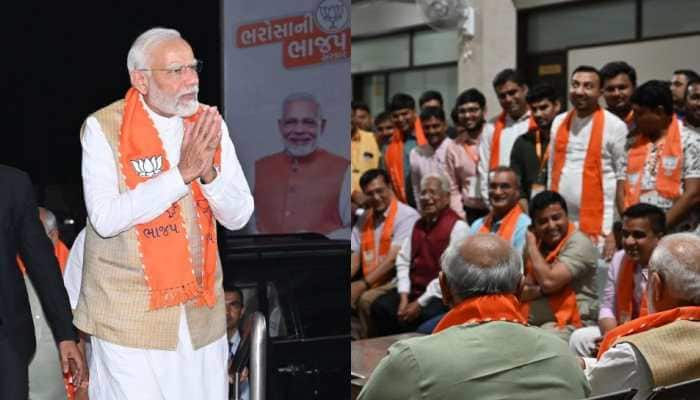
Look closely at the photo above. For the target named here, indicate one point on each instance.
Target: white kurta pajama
(119, 372)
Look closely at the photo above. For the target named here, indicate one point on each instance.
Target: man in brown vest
(159, 170)
(418, 261)
(288, 182)
(662, 347)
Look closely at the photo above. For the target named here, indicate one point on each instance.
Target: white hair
(48, 219)
(301, 96)
(469, 280)
(444, 183)
(676, 258)
(138, 53)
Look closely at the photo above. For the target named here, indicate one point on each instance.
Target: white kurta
(511, 131)
(613, 154)
(621, 367)
(119, 372)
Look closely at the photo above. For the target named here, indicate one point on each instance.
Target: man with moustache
(659, 349)
(361, 115)
(531, 150)
(560, 292)
(587, 151)
(515, 119)
(679, 84)
(619, 81)
(624, 295)
(374, 244)
(418, 261)
(383, 129)
(662, 166)
(470, 109)
(159, 170)
(432, 157)
(286, 183)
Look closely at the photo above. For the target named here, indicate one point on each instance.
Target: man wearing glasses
(302, 188)
(159, 170)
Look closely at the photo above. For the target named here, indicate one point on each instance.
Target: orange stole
(507, 228)
(163, 242)
(625, 293)
(668, 181)
(494, 161)
(563, 304)
(592, 199)
(493, 307)
(299, 194)
(394, 159)
(650, 321)
(370, 256)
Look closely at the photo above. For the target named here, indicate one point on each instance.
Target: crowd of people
(543, 252)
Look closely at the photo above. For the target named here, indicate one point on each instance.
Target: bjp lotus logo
(149, 166)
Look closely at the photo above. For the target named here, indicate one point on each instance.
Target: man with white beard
(159, 170)
(302, 188)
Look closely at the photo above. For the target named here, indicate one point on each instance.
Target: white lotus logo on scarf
(149, 166)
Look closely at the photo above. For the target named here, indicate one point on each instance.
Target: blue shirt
(519, 236)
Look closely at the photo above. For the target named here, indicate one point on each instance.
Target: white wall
(654, 59)
(493, 49)
(378, 17)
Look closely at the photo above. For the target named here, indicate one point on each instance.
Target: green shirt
(494, 360)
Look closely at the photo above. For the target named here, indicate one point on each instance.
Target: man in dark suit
(21, 233)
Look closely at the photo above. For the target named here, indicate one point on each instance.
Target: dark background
(65, 60)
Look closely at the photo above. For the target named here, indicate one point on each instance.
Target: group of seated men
(546, 189)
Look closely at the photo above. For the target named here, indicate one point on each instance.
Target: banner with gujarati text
(287, 93)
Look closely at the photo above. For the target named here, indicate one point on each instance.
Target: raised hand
(198, 145)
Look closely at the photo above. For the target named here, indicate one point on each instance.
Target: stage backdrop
(273, 50)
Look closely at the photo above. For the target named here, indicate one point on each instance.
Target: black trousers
(384, 311)
(14, 375)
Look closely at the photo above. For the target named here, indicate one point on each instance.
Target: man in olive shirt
(531, 150)
(474, 355)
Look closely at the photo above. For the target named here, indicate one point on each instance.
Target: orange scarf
(625, 293)
(59, 250)
(494, 161)
(370, 258)
(592, 200)
(668, 181)
(394, 159)
(163, 241)
(563, 304)
(508, 224)
(487, 308)
(643, 324)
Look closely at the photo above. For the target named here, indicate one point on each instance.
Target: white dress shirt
(403, 265)
(621, 367)
(511, 131)
(112, 213)
(613, 154)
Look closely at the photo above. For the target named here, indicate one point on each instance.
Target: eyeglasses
(178, 70)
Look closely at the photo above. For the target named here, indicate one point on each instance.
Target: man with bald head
(472, 353)
(661, 348)
(159, 170)
(302, 174)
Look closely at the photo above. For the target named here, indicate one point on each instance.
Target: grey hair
(676, 257)
(138, 53)
(301, 96)
(48, 220)
(444, 183)
(469, 280)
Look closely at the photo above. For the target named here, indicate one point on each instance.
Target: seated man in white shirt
(661, 348)
(624, 295)
(418, 261)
